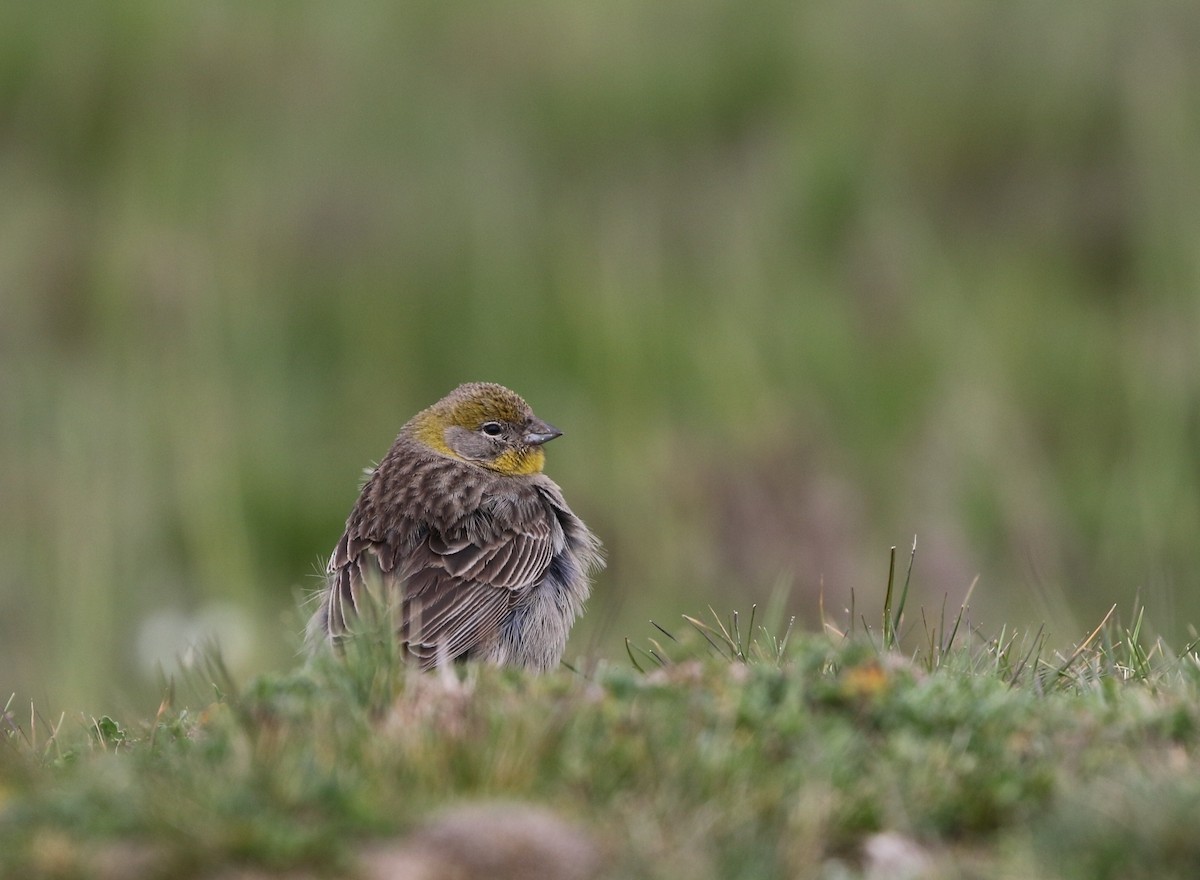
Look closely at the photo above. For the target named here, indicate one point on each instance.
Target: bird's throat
(518, 462)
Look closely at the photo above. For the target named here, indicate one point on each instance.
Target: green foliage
(741, 754)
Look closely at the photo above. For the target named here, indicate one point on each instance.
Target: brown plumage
(473, 546)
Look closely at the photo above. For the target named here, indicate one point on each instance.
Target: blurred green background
(798, 284)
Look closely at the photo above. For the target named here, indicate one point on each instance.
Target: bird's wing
(456, 588)
(500, 556)
(459, 587)
(445, 618)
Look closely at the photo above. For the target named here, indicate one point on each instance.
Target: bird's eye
(492, 429)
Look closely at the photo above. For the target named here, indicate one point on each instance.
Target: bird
(473, 548)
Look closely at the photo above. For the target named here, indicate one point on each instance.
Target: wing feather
(457, 585)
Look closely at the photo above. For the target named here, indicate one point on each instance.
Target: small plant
(774, 751)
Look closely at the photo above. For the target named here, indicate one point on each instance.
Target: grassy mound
(727, 749)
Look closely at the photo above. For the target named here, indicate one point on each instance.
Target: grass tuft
(775, 752)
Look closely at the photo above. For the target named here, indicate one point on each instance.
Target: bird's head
(488, 425)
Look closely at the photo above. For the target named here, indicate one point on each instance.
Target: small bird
(474, 547)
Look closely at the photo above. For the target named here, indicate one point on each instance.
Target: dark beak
(538, 432)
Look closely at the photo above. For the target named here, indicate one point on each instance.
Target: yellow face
(487, 425)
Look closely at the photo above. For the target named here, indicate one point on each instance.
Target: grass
(732, 747)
